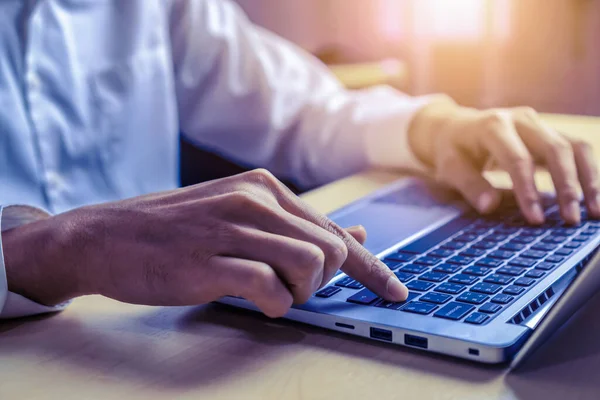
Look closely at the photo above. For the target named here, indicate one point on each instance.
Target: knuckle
(527, 112)
(264, 177)
(493, 121)
(569, 193)
(559, 147)
(259, 280)
(314, 259)
(581, 146)
(338, 252)
(521, 160)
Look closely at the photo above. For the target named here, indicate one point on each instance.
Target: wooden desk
(102, 349)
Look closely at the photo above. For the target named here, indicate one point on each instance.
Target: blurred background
(484, 53)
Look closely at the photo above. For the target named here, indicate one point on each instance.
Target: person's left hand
(459, 142)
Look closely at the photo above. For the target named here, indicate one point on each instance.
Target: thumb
(358, 232)
(462, 175)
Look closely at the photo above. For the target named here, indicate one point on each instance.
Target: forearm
(40, 261)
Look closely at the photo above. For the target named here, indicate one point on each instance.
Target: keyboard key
(433, 277)
(420, 286)
(471, 252)
(563, 252)
(450, 288)
(466, 238)
(495, 238)
(484, 245)
(440, 253)
(392, 264)
(422, 245)
(477, 271)
(364, 297)
(522, 262)
(447, 268)
(523, 281)
(514, 290)
(419, 307)
(463, 279)
(355, 285)
(512, 271)
(501, 254)
(530, 231)
(545, 266)
(404, 276)
(554, 259)
(400, 257)
(502, 299)
(396, 306)
(555, 239)
(572, 245)
(523, 239)
(454, 311)
(427, 261)
(436, 298)
(534, 273)
(413, 269)
(535, 254)
(499, 279)
(490, 308)
(328, 292)
(587, 233)
(344, 281)
(460, 260)
(486, 288)
(564, 231)
(512, 247)
(489, 262)
(543, 247)
(580, 239)
(472, 298)
(477, 318)
(453, 245)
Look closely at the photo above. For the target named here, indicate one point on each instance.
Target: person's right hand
(246, 236)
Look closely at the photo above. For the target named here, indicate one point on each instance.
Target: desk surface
(102, 349)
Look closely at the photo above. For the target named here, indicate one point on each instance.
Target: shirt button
(55, 181)
(33, 82)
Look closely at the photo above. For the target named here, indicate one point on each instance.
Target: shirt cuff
(387, 144)
(13, 305)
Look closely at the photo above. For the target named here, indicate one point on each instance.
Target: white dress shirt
(94, 93)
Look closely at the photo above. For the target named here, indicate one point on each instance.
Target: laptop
(488, 289)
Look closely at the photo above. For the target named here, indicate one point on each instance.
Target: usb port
(415, 341)
(381, 334)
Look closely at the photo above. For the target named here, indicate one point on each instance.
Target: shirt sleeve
(259, 100)
(13, 305)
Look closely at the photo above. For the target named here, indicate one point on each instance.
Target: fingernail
(537, 213)
(485, 202)
(396, 290)
(572, 212)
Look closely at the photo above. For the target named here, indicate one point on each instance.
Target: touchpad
(400, 214)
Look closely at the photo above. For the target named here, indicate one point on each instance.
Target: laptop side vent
(544, 297)
(532, 306)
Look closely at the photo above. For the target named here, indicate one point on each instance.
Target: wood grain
(103, 349)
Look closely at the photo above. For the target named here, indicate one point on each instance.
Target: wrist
(428, 123)
(40, 262)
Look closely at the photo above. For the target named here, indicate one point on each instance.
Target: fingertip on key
(537, 214)
(396, 290)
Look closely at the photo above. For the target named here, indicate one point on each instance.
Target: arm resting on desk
(14, 270)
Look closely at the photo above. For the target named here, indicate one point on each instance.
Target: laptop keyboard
(471, 268)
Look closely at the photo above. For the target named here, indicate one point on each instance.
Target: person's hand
(246, 236)
(458, 143)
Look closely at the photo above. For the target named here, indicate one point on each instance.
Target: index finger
(360, 263)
